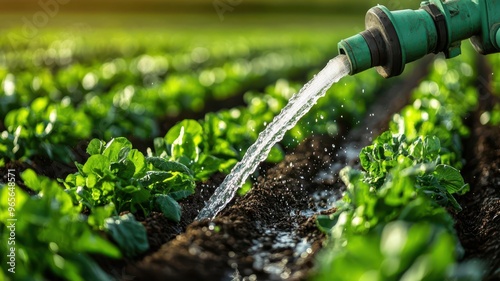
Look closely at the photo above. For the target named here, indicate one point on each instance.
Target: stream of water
(297, 106)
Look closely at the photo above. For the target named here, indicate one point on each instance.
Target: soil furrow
(478, 225)
(270, 233)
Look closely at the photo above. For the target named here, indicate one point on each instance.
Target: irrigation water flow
(297, 106)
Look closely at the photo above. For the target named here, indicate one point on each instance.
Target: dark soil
(228, 245)
(270, 233)
(478, 225)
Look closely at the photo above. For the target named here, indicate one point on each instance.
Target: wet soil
(241, 241)
(270, 233)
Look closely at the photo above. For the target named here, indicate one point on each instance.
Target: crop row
(393, 222)
(115, 178)
(126, 96)
(182, 51)
(411, 171)
(118, 178)
(154, 73)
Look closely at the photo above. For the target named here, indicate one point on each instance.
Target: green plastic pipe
(392, 39)
(497, 38)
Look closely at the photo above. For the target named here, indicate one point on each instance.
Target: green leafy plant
(129, 234)
(52, 237)
(113, 115)
(117, 174)
(397, 198)
(44, 129)
(397, 251)
(394, 212)
(126, 83)
(394, 232)
(439, 181)
(215, 143)
(199, 146)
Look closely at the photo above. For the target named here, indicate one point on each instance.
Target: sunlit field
(119, 119)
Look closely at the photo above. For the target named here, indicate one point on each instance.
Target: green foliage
(439, 107)
(169, 207)
(359, 90)
(129, 234)
(380, 157)
(124, 91)
(397, 198)
(199, 146)
(123, 85)
(424, 232)
(53, 239)
(113, 117)
(45, 129)
(117, 174)
(114, 85)
(125, 82)
(398, 251)
(220, 139)
(421, 157)
(392, 223)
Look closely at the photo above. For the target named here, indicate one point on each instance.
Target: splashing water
(297, 106)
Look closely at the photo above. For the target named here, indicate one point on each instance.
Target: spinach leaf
(61, 242)
(129, 234)
(169, 206)
(120, 176)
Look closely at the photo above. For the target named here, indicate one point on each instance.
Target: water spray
(391, 40)
(394, 38)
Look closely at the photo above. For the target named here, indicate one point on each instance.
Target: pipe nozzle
(382, 44)
(392, 39)
(358, 53)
